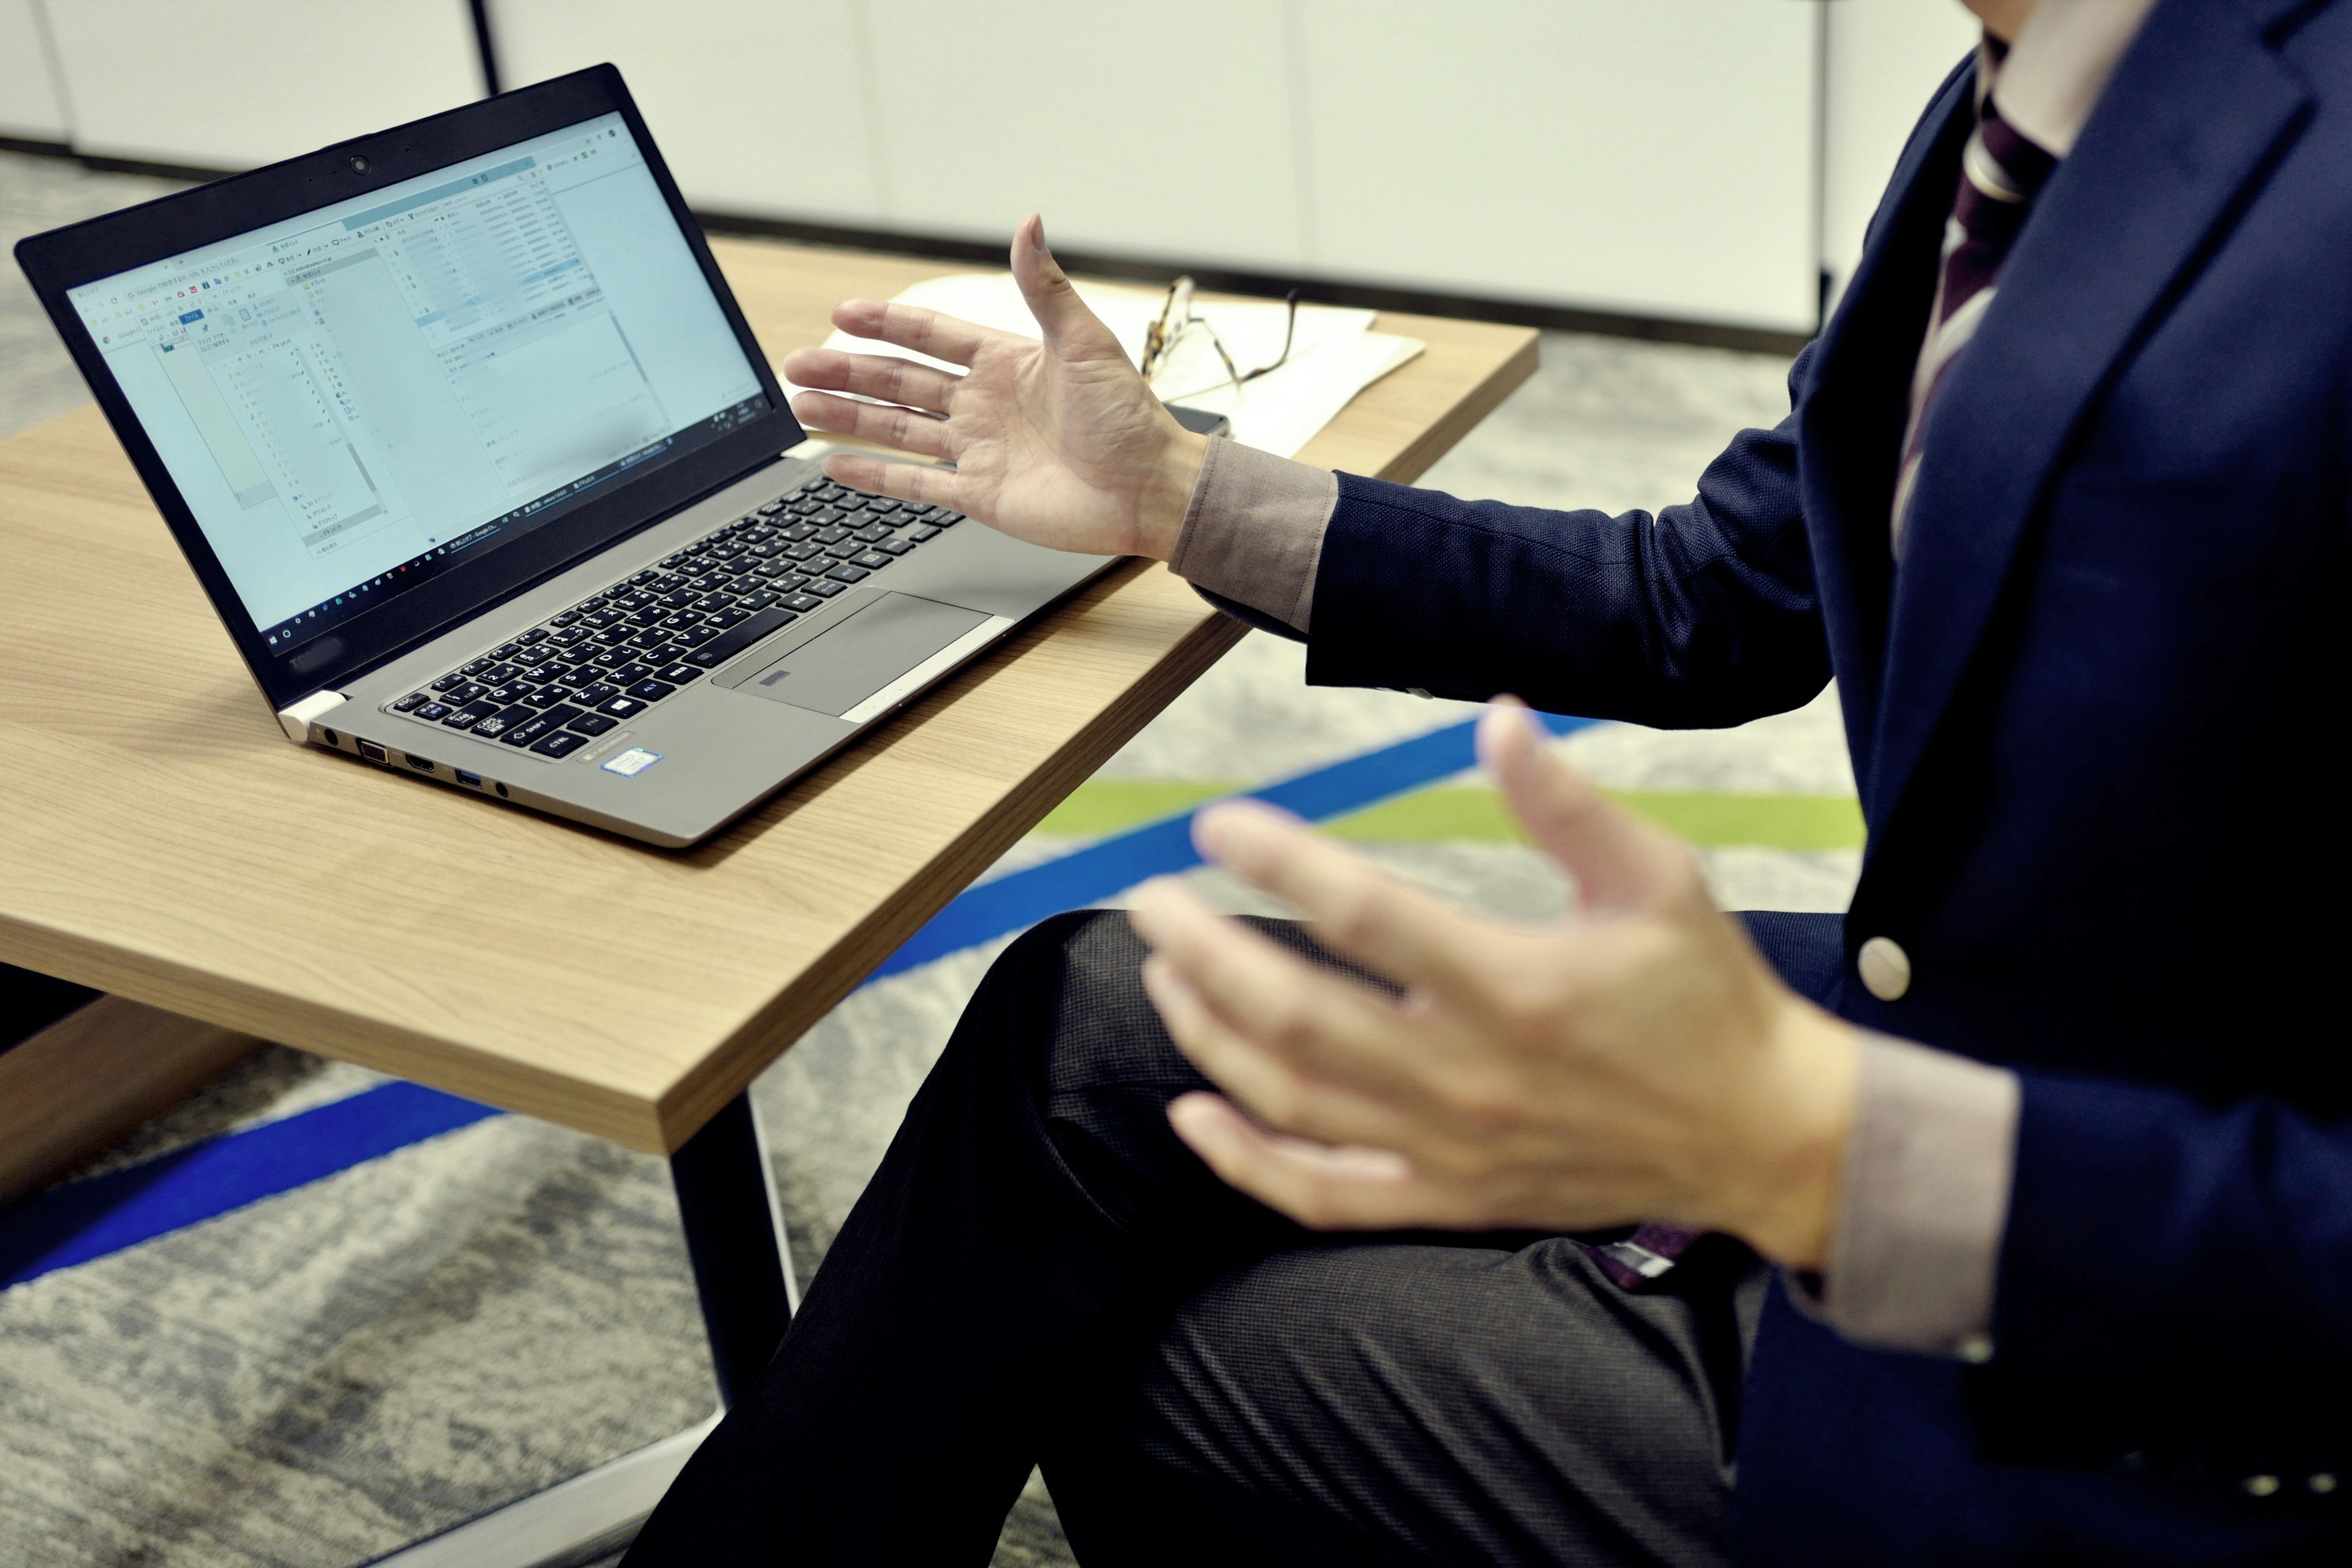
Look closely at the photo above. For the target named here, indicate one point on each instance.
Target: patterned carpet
(323, 1376)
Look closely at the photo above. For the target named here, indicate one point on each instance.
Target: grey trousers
(1488, 1399)
(1040, 1273)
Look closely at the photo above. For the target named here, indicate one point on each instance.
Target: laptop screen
(356, 399)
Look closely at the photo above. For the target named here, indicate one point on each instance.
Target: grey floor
(318, 1378)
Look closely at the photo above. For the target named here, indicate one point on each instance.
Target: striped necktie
(2000, 173)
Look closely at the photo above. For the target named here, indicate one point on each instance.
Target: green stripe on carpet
(1474, 812)
(1113, 805)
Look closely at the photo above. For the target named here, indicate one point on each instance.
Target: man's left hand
(1636, 1060)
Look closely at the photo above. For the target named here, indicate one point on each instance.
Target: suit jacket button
(1886, 968)
(2321, 1484)
(2260, 1486)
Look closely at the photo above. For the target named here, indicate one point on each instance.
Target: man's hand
(1058, 442)
(1636, 1061)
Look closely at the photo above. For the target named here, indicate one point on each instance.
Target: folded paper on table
(1334, 355)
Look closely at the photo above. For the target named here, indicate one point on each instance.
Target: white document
(1334, 356)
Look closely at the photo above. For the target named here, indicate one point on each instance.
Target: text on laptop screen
(352, 399)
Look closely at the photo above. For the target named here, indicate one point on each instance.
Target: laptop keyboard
(615, 654)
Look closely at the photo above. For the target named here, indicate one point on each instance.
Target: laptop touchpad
(841, 666)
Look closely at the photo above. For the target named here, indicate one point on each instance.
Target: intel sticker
(633, 762)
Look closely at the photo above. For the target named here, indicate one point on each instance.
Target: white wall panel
(1680, 158)
(1150, 130)
(1885, 58)
(235, 83)
(28, 96)
(759, 106)
(1653, 157)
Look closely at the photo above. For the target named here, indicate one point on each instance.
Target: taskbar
(295, 630)
(361, 597)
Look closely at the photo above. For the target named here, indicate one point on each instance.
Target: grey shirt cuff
(1254, 530)
(1926, 1199)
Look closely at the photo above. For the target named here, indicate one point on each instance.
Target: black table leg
(30, 1002)
(726, 1202)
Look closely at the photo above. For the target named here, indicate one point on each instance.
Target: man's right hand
(1059, 442)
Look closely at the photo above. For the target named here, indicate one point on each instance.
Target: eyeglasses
(1176, 318)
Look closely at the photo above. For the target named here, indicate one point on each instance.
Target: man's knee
(1105, 1034)
(1066, 999)
(1065, 1008)
(1101, 1068)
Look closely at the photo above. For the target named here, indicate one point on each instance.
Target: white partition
(227, 84)
(1653, 157)
(1683, 159)
(952, 118)
(29, 105)
(761, 107)
(1885, 58)
(1145, 130)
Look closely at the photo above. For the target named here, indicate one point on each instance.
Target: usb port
(419, 764)
(473, 779)
(372, 752)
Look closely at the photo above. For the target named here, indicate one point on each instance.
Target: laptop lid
(379, 388)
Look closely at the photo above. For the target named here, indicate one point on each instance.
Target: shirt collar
(2058, 66)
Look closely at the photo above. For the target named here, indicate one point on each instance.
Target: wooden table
(164, 842)
(160, 840)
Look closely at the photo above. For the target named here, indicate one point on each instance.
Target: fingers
(1621, 863)
(1344, 1188)
(891, 379)
(884, 425)
(1356, 909)
(1071, 330)
(903, 481)
(913, 327)
(1317, 1027)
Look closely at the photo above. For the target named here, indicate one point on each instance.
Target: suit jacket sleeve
(1703, 615)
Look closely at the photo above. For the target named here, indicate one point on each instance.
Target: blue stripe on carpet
(86, 1220)
(1019, 899)
(83, 1220)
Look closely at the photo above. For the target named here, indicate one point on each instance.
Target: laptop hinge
(296, 720)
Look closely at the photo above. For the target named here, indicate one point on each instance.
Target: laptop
(470, 447)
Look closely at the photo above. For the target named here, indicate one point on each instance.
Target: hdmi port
(419, 764)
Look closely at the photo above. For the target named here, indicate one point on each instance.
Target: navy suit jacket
(2112, 637)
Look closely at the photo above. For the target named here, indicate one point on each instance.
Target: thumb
(1064, 317)
(1620, 862)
